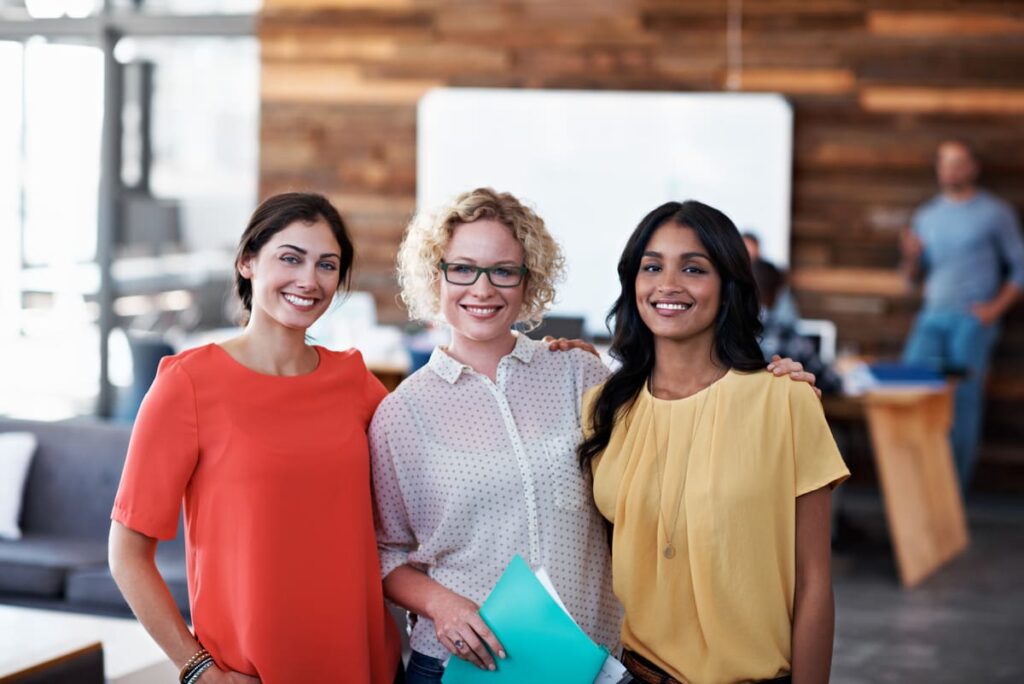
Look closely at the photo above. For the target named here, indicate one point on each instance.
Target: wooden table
(33, 642)
(924, 509)
(78, 664)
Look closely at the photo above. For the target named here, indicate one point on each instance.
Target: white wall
(593, 163)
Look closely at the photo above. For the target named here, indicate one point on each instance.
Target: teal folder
(542, 642)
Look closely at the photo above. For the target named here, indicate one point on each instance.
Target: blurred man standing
(965, 243)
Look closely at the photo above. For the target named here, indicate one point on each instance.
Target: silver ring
(459, 644)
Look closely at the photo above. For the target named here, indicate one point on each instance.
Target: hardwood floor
(963, 624)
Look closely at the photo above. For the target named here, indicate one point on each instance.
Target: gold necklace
(670, 550)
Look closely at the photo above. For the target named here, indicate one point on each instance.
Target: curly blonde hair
(428, 235)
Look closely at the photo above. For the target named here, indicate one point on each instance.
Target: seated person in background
(784, 309)
(780, 335)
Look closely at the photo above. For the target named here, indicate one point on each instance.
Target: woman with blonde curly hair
(474, 454)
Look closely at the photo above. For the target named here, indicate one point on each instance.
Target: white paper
(612, 672)
(545, 580)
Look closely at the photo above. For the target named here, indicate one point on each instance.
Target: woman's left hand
(794, 369)
(563, 344)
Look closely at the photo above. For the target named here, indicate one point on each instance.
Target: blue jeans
(423, 669)
(951, 339)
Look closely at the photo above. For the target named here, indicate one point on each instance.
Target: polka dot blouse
(468, 472)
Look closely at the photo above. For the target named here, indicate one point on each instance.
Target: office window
(77, 9)
(193, 7)
(63, 101)
(171, 276)
(11, 55)
(205, 133)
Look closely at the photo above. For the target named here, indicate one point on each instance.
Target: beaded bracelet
(202, 667)
(191, 663)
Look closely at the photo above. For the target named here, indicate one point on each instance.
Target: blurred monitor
(822, 334)
(150, 225)
(569, 327)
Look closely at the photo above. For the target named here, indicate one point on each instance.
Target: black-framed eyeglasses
(468, 274)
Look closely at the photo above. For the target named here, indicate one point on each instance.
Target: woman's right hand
(215, 675)
(462, 631)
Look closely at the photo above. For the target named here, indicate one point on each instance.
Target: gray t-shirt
(970, 249)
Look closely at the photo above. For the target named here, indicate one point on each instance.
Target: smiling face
(677, 287)
(481, 312)
(294, 275)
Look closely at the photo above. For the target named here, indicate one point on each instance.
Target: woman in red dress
(264, 439)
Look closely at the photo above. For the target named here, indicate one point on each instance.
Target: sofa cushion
(16, 449)
(95, 586)
(73, 477)
(38, 564)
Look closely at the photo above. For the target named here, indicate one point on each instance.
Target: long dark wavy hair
(277, 213)
(737, 326)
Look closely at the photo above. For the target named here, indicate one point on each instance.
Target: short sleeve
(395, 537)
(374, 393)
(162, 455)
(917, 228)
(817, 461)
(915, 222)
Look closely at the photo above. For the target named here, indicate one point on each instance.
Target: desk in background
(909, 431)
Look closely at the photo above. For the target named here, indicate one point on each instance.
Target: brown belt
(645, 671)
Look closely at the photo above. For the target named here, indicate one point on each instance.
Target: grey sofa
(61, 559)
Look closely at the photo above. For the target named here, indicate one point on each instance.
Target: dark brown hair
(277, 213)
(736, 325)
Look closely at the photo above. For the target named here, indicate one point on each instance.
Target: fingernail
(491, 668)
(501, 654)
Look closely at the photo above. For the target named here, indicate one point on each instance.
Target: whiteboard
(594, 163)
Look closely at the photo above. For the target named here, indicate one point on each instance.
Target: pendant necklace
(669, 551)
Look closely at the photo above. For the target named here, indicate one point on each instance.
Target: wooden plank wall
(875, 85)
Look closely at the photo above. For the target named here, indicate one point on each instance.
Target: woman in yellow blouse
(715, 475)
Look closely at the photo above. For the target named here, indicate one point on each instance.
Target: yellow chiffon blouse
(717, 475)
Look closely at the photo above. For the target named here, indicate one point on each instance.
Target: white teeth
(671, 306)
(299, 301)
(482, 311)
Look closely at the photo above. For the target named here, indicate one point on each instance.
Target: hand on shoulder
(795, 370)
(563, 344)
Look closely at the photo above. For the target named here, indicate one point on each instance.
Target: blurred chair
(146, 352)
